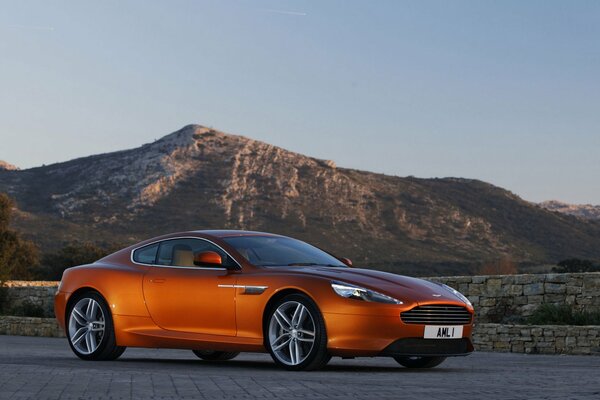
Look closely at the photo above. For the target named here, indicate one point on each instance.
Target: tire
(90, 329)
(295, 334)
(419, 362)
(210, 355)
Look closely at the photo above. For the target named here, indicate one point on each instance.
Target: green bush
(29, 309)
(73, 254)
(563, 314)
(18, 257)
(575, 265)
(3, 299)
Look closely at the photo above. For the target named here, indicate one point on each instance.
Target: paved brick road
(45, 368)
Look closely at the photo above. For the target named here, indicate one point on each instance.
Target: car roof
(222, 233)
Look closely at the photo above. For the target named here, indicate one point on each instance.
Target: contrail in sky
(298, 13)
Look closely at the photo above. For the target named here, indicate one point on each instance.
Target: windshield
(267, 251)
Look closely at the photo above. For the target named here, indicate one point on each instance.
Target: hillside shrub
(504, 266)
(73, 254)
(3, 299)
(562, 314)
(18, 257)
(576, 265)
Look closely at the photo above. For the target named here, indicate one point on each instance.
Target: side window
(185, 253)
(146, 255)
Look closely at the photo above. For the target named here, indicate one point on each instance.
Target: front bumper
(374, 335)
(411, 347)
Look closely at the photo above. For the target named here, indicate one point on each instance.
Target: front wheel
(90, 329)
(295, 334)
(419, 362)
(210, 355)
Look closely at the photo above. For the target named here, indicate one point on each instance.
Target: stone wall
(508, 298)
(15, 284)
(505, 299)
(30, 326)
(496, 298)
(35, 295)
(531, 339)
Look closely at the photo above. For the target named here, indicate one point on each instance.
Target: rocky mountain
(200, 178)
(585, 211)
(4, 166)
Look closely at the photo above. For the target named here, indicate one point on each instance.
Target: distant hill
(200, 178)
(4, 166)
(585, 211)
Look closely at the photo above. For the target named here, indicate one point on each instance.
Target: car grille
(438, 314)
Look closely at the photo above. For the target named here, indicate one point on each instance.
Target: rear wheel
(419, 362)
(295, 334)
(210, 355)
(90, 329)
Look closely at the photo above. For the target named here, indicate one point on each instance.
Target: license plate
(443, 332)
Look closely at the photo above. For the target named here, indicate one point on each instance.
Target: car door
(184, 295)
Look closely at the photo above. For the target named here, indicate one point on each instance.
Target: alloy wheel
(292, 333)
(86, 326)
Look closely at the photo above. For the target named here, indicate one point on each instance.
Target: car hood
(401, 287)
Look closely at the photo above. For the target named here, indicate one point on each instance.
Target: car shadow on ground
(270, 366)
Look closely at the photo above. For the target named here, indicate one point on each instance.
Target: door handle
(157, 280)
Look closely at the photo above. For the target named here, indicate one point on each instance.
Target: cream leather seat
(183, 256)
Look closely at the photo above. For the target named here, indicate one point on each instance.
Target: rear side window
(181, 252)
(146, 255)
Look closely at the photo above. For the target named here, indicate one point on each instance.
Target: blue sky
(503, 91)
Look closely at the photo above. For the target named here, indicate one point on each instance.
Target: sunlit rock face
(201, 178)
(4, 166)
(586, 211)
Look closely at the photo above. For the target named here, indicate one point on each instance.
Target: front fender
(250, 308)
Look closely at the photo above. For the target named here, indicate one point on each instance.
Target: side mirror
(207, 257)
(346, 261)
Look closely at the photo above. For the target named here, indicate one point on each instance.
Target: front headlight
(350, 291)
(458, 294)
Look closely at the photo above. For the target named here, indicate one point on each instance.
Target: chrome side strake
(255, 289)
(248, 289)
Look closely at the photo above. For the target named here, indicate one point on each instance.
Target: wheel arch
(77, 293)
(119, 285)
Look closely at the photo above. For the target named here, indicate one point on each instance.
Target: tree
(18, 257)
(6, 205)
(71, 255)
(575, 265)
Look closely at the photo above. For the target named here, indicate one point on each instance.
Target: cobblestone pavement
(45, 368)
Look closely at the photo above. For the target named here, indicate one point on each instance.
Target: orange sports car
(219, 293)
